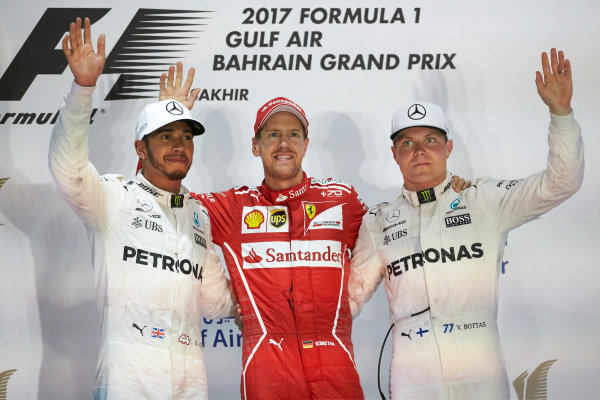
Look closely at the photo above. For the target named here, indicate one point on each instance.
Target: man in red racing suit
(286, 245)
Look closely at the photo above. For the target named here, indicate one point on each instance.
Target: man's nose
(178, 143)
(283, 142)
(419, 149)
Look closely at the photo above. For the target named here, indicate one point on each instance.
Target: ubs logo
(150, 225)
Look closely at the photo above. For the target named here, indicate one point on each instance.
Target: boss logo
(200, 240)
(458, 220)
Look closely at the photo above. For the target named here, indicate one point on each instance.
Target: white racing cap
(156, 115)
(419, 114)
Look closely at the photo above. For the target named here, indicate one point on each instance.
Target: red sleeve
(356, 210)
(221, 208)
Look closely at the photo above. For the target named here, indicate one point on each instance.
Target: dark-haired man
(156, 272)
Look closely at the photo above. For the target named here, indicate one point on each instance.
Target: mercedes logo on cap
(174, 108)
(416, 111)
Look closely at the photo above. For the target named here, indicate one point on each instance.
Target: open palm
(173, 87)
(85, 64)
(554, 83)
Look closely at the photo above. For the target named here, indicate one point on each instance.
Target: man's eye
(273, 134)
(407, 143)
(430, 140)
(295, 134)
(166, 137)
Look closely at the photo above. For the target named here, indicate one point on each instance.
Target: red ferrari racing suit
(287, 253)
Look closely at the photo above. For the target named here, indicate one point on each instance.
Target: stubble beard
(172, 176)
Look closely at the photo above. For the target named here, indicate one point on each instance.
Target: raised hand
(86, 65)
(170, 87)
(459, 184)
(555, 87)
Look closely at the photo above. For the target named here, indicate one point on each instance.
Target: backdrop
(349, 65)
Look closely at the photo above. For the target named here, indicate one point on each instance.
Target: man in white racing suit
(156, 271)
(440, 252)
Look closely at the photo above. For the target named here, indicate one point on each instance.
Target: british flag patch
(158, 333)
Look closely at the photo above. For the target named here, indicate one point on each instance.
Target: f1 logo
(136, 66)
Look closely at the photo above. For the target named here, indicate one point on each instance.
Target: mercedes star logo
(392, 216)
(416, 111)
(174, 108)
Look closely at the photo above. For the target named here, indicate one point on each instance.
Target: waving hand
(171, 86)
(86, 65)
(555, 87)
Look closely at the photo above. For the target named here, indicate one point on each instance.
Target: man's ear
(255, 149)
(140, 149)
(449, 147)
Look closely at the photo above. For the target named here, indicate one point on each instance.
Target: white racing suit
(440, 253)
(156, 272)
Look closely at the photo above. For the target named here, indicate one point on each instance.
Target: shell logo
(254, 219)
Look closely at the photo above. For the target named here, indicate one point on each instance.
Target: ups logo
(278, 218)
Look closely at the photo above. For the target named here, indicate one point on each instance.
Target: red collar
(285, 195)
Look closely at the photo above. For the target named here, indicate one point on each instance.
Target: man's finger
(568, 69)
(561, 62)
(87, 31)
(78, 32)
(179, 77)
(189, 80)
(539, 82)
(545, 66)
(171, 76)
(102, 45)
(554, 61)
(72, 34)
(194, 96)
(65, 46)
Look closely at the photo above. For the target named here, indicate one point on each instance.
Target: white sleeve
(216, 296)
(518, 201)
(366, 270)
(77, 179)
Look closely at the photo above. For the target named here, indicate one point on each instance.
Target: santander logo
(297, 253)
(252, 257)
